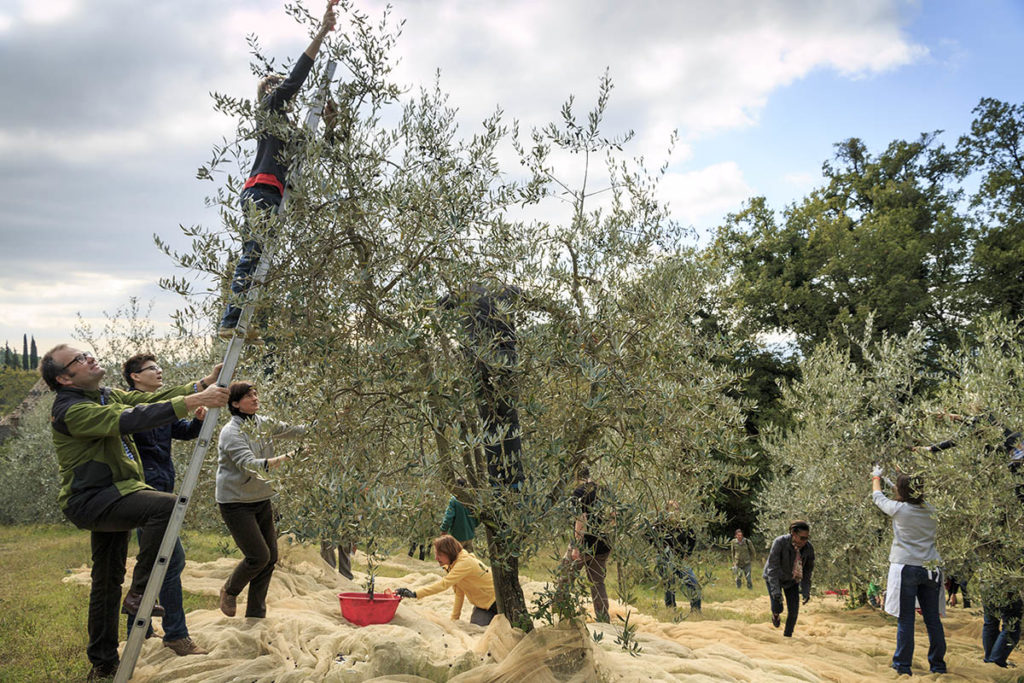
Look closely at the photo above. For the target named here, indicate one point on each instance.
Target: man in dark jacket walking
(103, 488)
(142, 373)
(787, 571)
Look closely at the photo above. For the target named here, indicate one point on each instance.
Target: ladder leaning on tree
(140, 623)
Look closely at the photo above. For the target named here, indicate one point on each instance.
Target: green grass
(42, 620)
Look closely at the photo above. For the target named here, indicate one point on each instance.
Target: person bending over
(464, 574)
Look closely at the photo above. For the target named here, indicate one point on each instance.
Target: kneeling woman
(246, 451)
(466, 575)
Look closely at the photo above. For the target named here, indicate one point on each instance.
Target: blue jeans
(741, 571)
(999, 643)
(918, 585)
(267, 200)
(170, 596)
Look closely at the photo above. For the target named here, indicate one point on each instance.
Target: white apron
(895, 582)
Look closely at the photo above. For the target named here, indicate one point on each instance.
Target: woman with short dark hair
(245, 452)
(466, 575)
(914, 576)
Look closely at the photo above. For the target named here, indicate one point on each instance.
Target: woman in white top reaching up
(914, 574)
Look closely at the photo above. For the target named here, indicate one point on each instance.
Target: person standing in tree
(457, 520)
(743, 556)
(103, 484)
(914, 577)
(264, 189)
(787, 572)
(142, 373)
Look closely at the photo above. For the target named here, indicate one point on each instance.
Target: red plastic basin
(361, 611)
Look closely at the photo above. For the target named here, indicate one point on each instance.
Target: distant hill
(14, 387)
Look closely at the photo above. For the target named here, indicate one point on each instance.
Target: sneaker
(775, 620)
(228, 603)
(252, 335)
(185, 646)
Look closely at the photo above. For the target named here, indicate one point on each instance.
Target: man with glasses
(103, 487)
(788, 572)
(142, 373)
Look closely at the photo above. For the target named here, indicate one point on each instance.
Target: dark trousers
(252, 527)
(170, 596)
(919, 585)
(596, 572)
(266, 200)
(999, 642)
(792, 595)
(337, 555)
(149, 511)
(483, 617)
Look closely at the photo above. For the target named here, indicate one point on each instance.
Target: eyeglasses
(155, 368)
(802, 538)
(80, 358)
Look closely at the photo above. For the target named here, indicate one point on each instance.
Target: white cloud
(48, 12)
(706, 195)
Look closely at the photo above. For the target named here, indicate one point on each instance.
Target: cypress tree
(24, 352)
(33, 361)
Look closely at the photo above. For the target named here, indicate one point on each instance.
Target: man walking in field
(743, 555)
(103, 485)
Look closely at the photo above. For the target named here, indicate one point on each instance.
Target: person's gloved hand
(807, 599)
(876, 472)
(405, 593)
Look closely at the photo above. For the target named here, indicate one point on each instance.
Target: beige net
(305, 638)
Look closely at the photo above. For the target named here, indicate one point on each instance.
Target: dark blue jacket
(154, 449)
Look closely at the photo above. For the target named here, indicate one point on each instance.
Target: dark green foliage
(33, 361)
(14, 387)
(24, 352)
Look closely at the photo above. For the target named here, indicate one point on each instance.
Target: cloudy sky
(106, 112)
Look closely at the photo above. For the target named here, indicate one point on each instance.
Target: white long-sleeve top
(913, 531)
(243, 449)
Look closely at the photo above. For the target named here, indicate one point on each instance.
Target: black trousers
(149, 511)
(792, 595)
(252, 527)
(483, 617)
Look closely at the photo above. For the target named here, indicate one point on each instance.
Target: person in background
(787, 572)
(743, 556)
(675, 543)
(464, 574)
(142, 373)
(457, 520)
(245, 452)
(103, 485)
(591, 541)
(1001, 631)
(914, 577)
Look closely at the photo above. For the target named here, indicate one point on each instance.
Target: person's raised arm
(326, 26)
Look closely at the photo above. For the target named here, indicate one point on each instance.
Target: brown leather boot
(228, 603)
(131, 604)
(185, 646)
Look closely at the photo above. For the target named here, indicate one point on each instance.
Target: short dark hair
(134, 364)
(447, 545)
(237, 391)
(799, 525)
(48, 368)
(910, 489)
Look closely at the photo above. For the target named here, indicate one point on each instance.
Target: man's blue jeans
(918, 585)
(266, 200)
(999, 643)
(170, 597)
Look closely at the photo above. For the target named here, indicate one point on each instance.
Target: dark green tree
(882, 238)
(995, 149)
(24, 352)
(33, 354)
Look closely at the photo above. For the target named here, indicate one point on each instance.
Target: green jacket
(458, 522)
(95, 451)
(742, 553)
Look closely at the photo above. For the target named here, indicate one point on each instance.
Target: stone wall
(9, 423)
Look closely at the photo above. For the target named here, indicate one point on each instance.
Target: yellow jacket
(469, 577)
